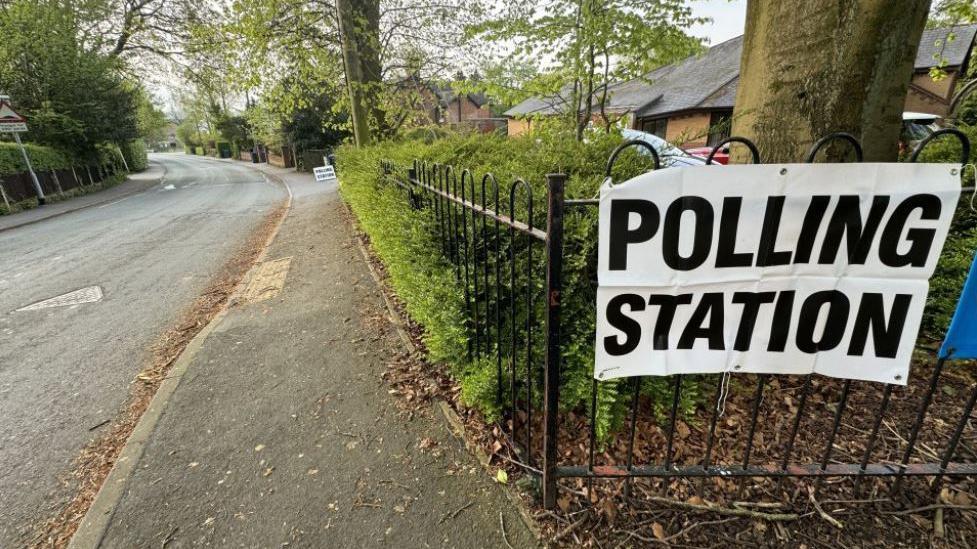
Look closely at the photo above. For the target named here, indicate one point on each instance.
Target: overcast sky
(729, 17)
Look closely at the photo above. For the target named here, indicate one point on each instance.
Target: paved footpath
(280, 433)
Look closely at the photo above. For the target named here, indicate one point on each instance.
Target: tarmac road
(65, 370)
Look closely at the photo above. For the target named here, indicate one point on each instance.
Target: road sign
(324, 173)
(14, 123)
(10, 121)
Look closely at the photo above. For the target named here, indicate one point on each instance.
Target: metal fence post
(411, 178)
(57, 181)
(554, 286)
(3, 194)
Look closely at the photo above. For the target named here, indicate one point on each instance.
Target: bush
(42, 158)
(958, 252)
(135, 154)
(405, 241)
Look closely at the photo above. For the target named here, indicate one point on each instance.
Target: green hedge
(42, 158)
(958, 252)
(404, 240)
(135, 155)
(47, 158)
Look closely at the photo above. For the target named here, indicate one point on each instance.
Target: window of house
(656, 126)
(719, 126)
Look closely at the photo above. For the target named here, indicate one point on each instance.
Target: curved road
(67, 369)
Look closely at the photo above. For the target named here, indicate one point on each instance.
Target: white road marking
(90, 294)
(116, 201)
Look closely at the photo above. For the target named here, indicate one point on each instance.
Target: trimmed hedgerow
(958, 252)
(405, 241)
(135, 154)
(42, 158)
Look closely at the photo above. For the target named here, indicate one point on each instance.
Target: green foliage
(479, 386)
(109, 154)
(234, 129)
(74, 98)
(958, 252)
(150, 120)
(135, 154)
(952, 12)
(405, 241)
(593, 44)
(188, 133)
(42, 158)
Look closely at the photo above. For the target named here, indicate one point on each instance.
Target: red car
(722, 155)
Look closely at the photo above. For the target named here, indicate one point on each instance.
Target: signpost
(789, 269)
(16, 124)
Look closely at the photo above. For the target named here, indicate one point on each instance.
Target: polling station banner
(777, 268)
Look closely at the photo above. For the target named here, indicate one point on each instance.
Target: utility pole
(5, 100)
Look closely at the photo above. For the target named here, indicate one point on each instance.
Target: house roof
(709, 80)
(935, 46)
(447, 95)
(696, 80)
(540, 105)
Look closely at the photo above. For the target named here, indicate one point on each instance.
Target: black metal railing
(513, 298)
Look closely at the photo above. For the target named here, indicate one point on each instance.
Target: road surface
(140, 261)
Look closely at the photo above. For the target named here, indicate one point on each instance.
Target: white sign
(324, 173)
(791, 268)
(10, 121)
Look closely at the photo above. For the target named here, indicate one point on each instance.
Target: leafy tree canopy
(74, 97)
(582, 46)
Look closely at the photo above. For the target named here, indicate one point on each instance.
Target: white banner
(776, 268)
(324, 173)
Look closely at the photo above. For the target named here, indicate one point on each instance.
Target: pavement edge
(451, 418)
(96, 521)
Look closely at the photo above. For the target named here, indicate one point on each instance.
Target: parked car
(722, 155)
(916, 126)
(670, 155)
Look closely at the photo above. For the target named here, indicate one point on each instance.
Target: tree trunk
(369, 46)
(588, 110)
(347, 16)
(812, 67)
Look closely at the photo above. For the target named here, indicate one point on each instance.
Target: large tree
(369, 47)
(74, 97)
(594, 42)
(811, 67)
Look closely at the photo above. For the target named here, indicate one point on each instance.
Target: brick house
(456, 108)
(690, 103)
(432, 105)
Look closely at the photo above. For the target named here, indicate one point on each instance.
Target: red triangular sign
(9, 115)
